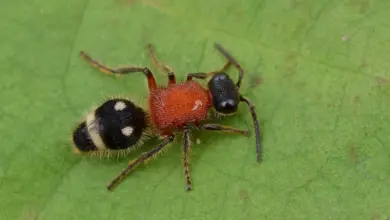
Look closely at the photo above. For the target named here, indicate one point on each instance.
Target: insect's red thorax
(178, 104)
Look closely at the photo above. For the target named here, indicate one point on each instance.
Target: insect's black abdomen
(224, 93)
(121, 123)
(82, 140)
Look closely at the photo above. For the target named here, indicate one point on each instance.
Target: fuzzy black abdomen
(121, 123)
(114, 125)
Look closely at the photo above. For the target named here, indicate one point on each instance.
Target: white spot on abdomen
(198, 103)
(119, 106)
(127, 131)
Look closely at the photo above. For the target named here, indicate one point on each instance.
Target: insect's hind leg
(121, 71)
(141, 159)
(186, 164)
(160, 66)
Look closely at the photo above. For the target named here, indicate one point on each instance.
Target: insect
(119, 124)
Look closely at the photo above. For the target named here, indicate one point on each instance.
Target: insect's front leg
(162, 67)
(223, 128)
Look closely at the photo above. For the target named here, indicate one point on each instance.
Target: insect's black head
(224, 92)
(116, 124)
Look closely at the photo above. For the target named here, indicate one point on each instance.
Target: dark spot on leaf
(352, 153)
(363, 65)
(299, 29)
(376, 216)
(300, 85)
(318, 96)
(295, 4)
(125, 2)
(263, 123)
(255, 81)
(382, 81)
(29, 214)
(361, 5)
(356, 100)
(290, 65)
(240, 13)
(243, 193)
(364, 5)
(330, 105)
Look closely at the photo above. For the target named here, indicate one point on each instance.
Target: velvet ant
(119, 125)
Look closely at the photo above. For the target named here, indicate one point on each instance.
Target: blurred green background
(318, 72)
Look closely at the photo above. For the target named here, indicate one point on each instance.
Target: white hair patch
(127, 131)
(198, 103)
(119, 106)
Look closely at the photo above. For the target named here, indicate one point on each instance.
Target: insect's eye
(228, 106)
(220, 77)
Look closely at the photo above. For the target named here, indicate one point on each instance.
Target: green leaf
(322, 101)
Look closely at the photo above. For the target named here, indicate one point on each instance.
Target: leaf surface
(317, 71)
